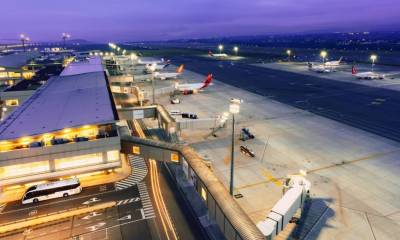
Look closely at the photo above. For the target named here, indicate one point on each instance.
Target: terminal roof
(79, 96)
(17, 60)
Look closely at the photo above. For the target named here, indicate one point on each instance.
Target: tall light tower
(24, 39)
(152, 70)
(373, 59)
(236, 50)
(323, 54)
(220, 48)
(65, 36)
(289, 52)
(234, 108)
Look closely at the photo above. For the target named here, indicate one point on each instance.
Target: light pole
(24, 39)
(152, 70)
(289, 52)
(373, 59)
(236, 50)
(234, 108)
(65, 36)
(3, 110)
(323, 55)
(220, 48)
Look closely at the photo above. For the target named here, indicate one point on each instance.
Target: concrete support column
(105, 159)
(52, 165)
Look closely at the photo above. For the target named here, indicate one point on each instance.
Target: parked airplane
(217, 55)
(141, 62)
(156, 67)
(169, 75)
(366, 75)
(318, 68)
(333, 63)
(191, 88)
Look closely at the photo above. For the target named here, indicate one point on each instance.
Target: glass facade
(113, 156)
(78, 161)
(25, 169)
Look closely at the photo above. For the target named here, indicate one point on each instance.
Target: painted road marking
(92, 200)
(127, 201)
(91, 215)
(127, 217)
(95, 227)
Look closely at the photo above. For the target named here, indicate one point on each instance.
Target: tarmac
(354, 173)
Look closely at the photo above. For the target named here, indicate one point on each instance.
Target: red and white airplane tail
(207, 81)
(353, 70)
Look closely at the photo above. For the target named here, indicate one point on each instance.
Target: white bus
(52, 190)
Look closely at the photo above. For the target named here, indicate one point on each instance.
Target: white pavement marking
(148, 210)
(92, 200)
(139, 172)
(127, 217)
(127, 201)
(97, 226)
(91, 215)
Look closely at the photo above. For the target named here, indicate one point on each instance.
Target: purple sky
(122, 20)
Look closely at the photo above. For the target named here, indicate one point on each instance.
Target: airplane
(157, 67)
(333, 63)
(366, 75)
(169, 75)
(191, 88)
(141, 62)
(217, 55)
(318, 68)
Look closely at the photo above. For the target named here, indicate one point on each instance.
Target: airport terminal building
(66, 128)
(15, 67)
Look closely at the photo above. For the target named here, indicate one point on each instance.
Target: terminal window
(24, 169)
(12, 102)
(203, 194)
(3, 74)
(136, 150)
(113, 156)
(174, 157)
(78, 161)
